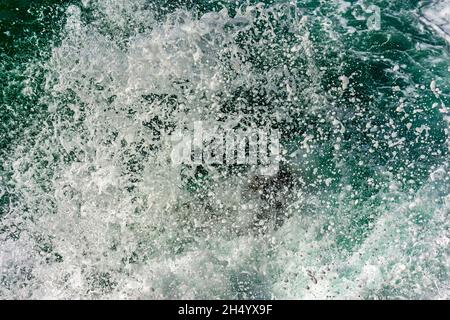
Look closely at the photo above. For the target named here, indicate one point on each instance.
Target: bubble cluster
(359, 209)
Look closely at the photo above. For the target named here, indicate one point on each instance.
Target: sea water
(92, 207)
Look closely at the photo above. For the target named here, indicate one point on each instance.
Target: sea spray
(92, 206)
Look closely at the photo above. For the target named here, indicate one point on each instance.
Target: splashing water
(92, 207)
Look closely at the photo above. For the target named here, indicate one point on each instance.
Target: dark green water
(91, 206)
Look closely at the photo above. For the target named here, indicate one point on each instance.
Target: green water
(91, 207)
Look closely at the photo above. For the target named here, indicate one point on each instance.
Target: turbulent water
(92, 207)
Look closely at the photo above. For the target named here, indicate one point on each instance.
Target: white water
(93, 228)
(437, 16)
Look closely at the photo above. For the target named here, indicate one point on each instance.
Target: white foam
(92, 227)
(437, 16)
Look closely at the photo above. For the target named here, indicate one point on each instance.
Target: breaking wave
(92, 207)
